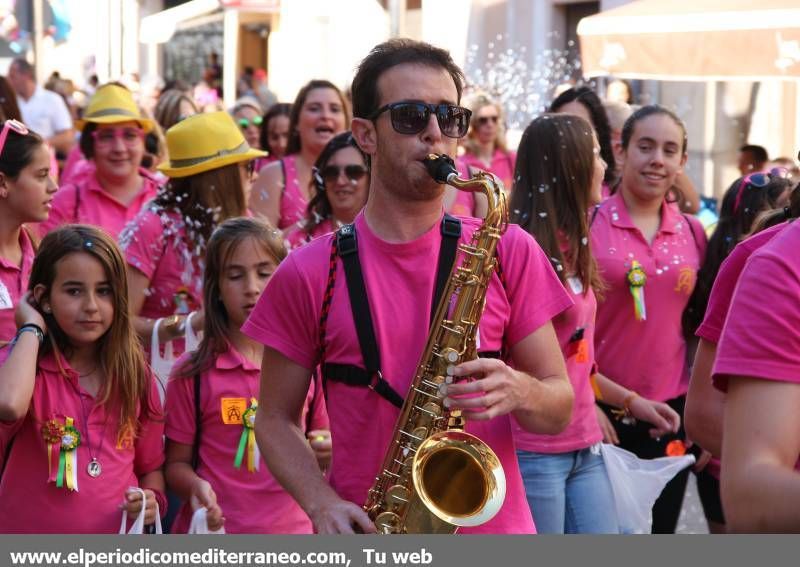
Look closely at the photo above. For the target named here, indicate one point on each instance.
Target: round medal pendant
(93, 468)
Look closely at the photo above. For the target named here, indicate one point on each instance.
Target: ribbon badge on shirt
(636, 280)
(62, 441)
(247, 442)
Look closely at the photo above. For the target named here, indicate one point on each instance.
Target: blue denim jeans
(569, 492)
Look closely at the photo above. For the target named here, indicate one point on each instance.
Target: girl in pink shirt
(115, 187)
(281, 192)
(26, 195)
(218, 466)
(341, 182)
(565, 478)
(79, 405)
(648, 254)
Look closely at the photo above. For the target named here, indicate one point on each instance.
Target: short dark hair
(759, 153)
(594, 106)
(652, 110)
(383, 57)
(24, 67)
(17, 152)
(277, 109)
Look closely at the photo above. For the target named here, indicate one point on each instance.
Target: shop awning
(694, 40)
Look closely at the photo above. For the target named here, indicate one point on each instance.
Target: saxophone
(436, 477)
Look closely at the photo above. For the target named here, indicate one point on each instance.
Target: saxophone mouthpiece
(441, 167)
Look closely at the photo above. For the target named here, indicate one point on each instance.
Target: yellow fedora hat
(203, 142)
(111, 104)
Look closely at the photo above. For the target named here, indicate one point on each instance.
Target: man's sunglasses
(244, 122)
(330, 173)
(759, 179)
(412, 117)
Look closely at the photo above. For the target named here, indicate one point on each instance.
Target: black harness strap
(347, 248)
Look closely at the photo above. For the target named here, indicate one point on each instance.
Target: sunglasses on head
(330, 173)
(484, 120)
(15, 125)
(412, 117)
(244, 122)
(759, 179)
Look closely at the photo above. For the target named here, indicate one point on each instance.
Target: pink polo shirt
(719, 301)
(575, 330)
(761, 337)
(76, 166)
(13, 285)
(399, 278)
(297, 236)
(646, 356)
(293, 201)
(38, 505)
(502, 165)
(86, 201)
(251, 502)
(155, 243)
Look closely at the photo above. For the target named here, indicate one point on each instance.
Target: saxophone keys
(397, 495)
(388, 523)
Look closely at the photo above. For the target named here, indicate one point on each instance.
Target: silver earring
(46, 309)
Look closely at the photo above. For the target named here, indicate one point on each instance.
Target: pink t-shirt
(575, 331)
(399, 278)
(155, 242)
(761, 338)
(296, 235)
(502, 166)
(719, 301)
(293, 201)
(252, 502)
(13, 285)
(75, 167)
(38, 505)
(647, 356)
(87, 202)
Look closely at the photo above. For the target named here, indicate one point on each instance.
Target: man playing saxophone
(368, 337)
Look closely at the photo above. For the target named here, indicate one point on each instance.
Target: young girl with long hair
(648, 254)
(81, 409)
(341, 185)
(558, 172)
(274, 133)
(281, 192)
(26, 195)
(221, 380)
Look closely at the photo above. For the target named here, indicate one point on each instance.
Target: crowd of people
(225, 309)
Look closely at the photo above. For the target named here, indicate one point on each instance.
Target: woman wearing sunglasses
(742, 204)
(26, 195)
(115, 186)
(341, 184)
(247, 114)
(484, 149)
(281, 193)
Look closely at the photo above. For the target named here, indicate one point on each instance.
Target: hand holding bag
(199, 524)
(138, 524)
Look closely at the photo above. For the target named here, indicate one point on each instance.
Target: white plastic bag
(161, 365)
(138, 524)
(192, 338)
(637, 484)
(199, 524)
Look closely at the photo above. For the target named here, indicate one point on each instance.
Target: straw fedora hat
(203, 142)
(111, 104)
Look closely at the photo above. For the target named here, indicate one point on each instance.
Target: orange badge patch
(232, 410)
(685, 280)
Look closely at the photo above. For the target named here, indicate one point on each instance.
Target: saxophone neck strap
(346, 243)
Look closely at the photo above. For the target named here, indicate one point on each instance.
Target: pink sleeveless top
(293, 201)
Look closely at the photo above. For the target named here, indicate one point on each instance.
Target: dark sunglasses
(759, 179)
(412, 117)
(484, 120)
(244, 122)
(330, 173)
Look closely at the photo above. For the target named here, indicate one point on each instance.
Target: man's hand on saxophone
(538, 393)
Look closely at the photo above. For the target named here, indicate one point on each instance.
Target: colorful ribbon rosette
(636, 280)
(62, 452)
(247, 442)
